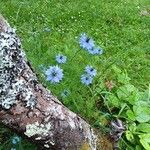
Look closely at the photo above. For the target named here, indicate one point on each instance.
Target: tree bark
(29, 108)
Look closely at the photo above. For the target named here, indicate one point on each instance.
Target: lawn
(121, 28)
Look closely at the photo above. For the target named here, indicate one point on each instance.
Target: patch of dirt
(103, 143)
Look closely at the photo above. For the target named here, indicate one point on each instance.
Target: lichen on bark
(38, 129)
(29, 108)
(13, 75)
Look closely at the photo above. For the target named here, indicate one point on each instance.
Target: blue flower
(86, 79)
(54, 74)
(92, 51)
(15, 140)
(90, 71)
(61, 59)
(95, 51)
(86, 42)
(98, 50)
(65, 93)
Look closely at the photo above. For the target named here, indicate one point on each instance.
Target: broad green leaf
(145, 141)
(116, 69)
(129, 136)
(133, 97)
(138, 147)
(132, 127)
(146, 96)
(143, 118)
(123, 78)
(113, 100)
(144, 127)
(125, 91)
(142, 111)
(128, 93)
(131, 115)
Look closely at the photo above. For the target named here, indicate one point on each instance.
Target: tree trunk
(29, 108)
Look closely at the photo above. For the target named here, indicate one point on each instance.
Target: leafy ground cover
(120, 84)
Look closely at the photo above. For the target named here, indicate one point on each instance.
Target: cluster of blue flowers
(90, 73)
(89, 45)
(55, 74)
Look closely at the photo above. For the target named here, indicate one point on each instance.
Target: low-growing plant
(132, 106)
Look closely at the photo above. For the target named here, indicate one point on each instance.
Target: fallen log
(29, 108)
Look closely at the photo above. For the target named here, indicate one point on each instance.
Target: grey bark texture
(29, 108)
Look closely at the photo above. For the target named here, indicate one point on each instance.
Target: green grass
(115, 25)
